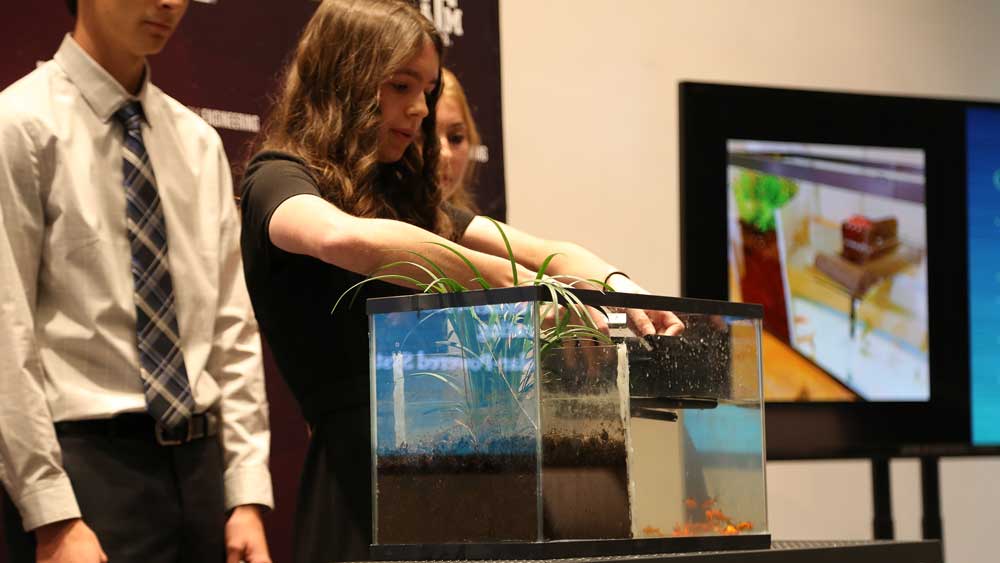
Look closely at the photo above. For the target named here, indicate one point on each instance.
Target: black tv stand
(930, 491)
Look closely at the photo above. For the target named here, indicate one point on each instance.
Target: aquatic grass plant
(496, 370)
(494, 343)
(561, 296)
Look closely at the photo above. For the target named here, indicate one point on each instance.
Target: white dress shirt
(74, 355)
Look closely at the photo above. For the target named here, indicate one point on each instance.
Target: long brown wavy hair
(327, 111)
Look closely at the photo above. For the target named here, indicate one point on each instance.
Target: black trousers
(146, 502)
(334, 512)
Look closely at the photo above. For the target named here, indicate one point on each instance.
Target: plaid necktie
(161, 364)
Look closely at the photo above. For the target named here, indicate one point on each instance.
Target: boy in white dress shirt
(134, 423)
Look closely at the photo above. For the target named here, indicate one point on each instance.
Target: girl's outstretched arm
(308, 224)
(573, 260)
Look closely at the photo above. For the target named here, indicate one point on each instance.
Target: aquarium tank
(496, 426)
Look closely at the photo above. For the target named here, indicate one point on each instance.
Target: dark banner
(224, 62)
(225, 59)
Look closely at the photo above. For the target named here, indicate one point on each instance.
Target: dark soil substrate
(427, 498)
(435, 463)
(446, 499)
(585, 487)
(696, 364)
(577, 450)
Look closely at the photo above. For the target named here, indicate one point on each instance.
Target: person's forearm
(573, 260)
(373, 243)
(245, 436)
(236, 364)
(30, 459)
(30, 466)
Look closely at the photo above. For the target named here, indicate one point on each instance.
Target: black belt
(141, 426)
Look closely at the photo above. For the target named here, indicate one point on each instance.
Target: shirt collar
(102, 92)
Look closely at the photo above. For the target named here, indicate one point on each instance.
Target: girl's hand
(646, 322)
(649, 321)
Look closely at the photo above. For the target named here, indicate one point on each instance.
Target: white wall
(590, 119)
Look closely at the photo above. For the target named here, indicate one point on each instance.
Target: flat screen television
(869, 228)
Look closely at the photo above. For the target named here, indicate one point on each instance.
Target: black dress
(322, 357)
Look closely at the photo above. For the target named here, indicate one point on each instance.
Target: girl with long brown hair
(459, 138)
(345, 182)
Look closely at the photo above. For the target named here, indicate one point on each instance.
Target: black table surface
(921, 551)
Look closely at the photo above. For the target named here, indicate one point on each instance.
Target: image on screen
(832, 240)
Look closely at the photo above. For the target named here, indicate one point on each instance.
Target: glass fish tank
(504, 427)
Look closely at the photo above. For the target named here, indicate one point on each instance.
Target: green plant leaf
(442, 285)
(457, 287)
(426, 318)
(582, 332)
(451, 408)
(571, 301)
(469, 429)
(419, 284)
(449, 284)
(563, 321)
(510, 251)
(578, 279)
(479, 276)
(545, 265)
(384, 267)
(439, 377)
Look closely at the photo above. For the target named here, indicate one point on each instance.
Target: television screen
(845, 216)
(832, 240)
